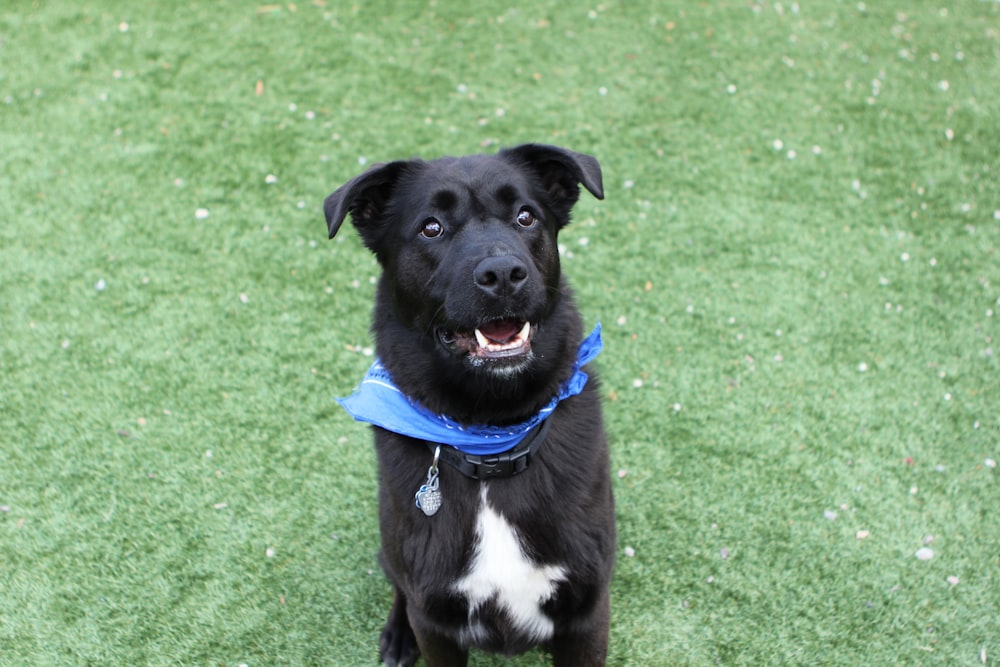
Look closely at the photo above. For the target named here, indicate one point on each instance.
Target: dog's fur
(469, 255)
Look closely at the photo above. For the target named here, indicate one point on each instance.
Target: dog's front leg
(580, 650)
(584, 648)
(439, 651)
(398, 645)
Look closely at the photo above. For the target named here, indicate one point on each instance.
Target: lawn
(796, 265)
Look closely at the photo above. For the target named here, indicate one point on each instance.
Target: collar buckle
(499, 465)
(496, 466)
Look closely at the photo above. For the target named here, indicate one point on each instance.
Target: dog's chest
(502, 576)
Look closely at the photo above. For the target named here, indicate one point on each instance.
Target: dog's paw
(398, 645)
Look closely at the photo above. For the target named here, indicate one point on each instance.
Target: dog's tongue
(501, 331)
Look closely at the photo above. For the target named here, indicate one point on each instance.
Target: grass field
(796, 265)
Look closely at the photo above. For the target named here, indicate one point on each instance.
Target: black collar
(494, 466)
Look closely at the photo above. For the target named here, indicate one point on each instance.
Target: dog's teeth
(525, 331)
(481, 339)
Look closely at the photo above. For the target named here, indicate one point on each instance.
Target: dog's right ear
(365, 198)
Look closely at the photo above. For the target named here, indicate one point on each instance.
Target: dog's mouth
(508, 338)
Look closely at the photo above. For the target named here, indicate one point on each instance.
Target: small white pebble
(862, 367)
(621, 321)
(731, 89)
(269, 552)
(924, 553)
(100, 285)
(778, 144)
(602, 91)
(677, 407)
(905, 257)
(629, 552)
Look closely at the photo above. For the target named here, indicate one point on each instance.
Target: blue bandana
(377, 400)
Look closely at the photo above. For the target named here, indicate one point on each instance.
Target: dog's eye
(431, 229)
(525, 218)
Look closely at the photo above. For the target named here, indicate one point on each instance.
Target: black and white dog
(495, 501)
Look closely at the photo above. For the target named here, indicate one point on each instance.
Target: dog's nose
(501, 276)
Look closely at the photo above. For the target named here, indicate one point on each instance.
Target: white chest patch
(501, 571)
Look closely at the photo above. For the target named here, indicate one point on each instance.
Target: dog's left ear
(561, 171)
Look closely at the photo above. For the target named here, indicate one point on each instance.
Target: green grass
(177, 485)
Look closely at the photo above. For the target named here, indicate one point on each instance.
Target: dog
(495, 502)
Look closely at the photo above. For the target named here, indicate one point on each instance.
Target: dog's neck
(379, 401)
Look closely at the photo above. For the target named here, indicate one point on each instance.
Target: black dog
(510, 542)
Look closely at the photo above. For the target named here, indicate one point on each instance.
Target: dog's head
(468, 245)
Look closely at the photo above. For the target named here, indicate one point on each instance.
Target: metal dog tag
(428, 497)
